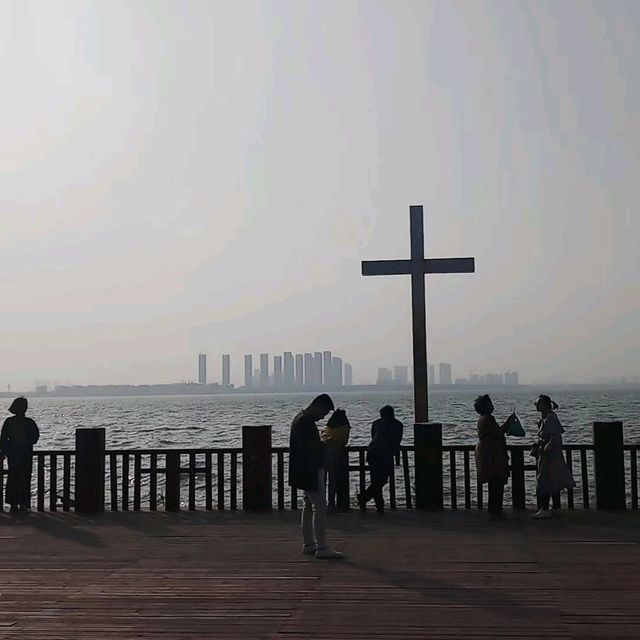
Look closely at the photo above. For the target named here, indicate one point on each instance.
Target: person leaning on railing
(17, 438)
(492, 459)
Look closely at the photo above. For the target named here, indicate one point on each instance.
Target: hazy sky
(195, 176)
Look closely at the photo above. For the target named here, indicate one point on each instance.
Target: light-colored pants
(314, 515)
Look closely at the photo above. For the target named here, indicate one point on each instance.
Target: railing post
(172, 481)
(342, 481)
(427, 437)
(256, 468)
(517, 478)
(608, 440)
(89, 490)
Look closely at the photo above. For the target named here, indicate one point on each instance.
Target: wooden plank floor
(233, 575)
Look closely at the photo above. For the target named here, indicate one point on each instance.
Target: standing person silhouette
(306, 472)
(492, 459)
(335, 458)
(553, 474)
(17, 438)
(386, 436)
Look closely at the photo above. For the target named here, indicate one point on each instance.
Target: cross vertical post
(419, 307)
(417, 267)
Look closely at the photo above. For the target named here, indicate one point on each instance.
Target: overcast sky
(178, 177)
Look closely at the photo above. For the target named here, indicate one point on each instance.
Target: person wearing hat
(17, 438)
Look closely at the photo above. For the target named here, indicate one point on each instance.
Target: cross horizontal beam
(428, 265)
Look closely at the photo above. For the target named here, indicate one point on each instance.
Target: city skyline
(237, 376)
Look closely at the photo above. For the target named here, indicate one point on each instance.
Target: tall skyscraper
(309, 370)
(445, 373)
(348, 375)
(401, 375)
(336, 372)
(299, 369)
(202, 368)
(248, 371)
(432, 374)
(317, 359)
(264, 370)
(288, 369)
(226, 370)
(277, 371)
(326, 367)
(384, 376)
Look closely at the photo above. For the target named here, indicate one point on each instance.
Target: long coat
(553, 474)
(17, 438)
(305, 453)
(492, 459)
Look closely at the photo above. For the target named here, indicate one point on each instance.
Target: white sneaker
(328, 554)
(541, 514)
(309, 549)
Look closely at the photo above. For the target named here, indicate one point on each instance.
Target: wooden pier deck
(228, 575)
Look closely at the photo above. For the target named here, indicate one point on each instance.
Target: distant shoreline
(110, 391)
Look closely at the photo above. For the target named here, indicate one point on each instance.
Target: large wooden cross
(417, 267)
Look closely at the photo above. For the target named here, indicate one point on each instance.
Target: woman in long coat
(492, 459)
(553, 474)
(17, 438)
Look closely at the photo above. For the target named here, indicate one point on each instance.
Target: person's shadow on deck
(496, 602)
(64, 529)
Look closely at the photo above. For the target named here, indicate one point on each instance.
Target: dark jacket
(18, 436)
(305, 453)
(386, 436)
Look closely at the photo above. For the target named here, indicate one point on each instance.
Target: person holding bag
(492, 459)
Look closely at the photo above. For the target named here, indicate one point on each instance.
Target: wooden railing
(174, 479)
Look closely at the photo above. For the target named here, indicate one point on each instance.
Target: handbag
(515, 427)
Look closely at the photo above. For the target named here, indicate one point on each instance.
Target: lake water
(210, 421)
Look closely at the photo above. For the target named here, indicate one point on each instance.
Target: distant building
(226, 370)
(202, 368)
(432, 374)
(299, 369)
(264, 370)
(348, 375)
(288, 369)
(277, 371)
(401, 375)
(336, 372)
(248, 371)
(41, 388)
(326, 368)
(309, 370)
(317, 376)
(445, 373)
(385, 377)
(494, 379)
(511, 378)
